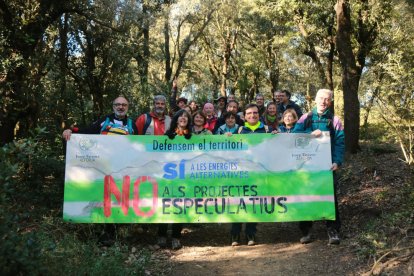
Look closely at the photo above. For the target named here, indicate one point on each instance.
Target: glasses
(120, 104)
(253, 112)
(324, 99)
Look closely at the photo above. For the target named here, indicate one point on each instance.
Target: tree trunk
(330, 60)
(272, 66)
(143, 64)
(61, 117)
(225, 69)
(309, 97)
(14, 101)
(7, 131)
(21, 38)
(370, 104)
(167, 56)
(94, 83)
(324, 65)
(229, 42)
(168, 69)
(350, 76)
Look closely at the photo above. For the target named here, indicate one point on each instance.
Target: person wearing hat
(181, 103)
(221, 106)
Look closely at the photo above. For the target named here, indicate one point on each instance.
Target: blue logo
(171, 172)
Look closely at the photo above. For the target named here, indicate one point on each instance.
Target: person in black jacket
(180, 126)
(116, 123)
(285, 103)
(260, 102)
(232, 107)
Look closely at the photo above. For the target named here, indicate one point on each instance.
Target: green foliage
(377, 148)
(74, 81)
(19, 251)
(28, 168)
(15, 158)
(375, 132)
(70, 256)
(389, 82)
(33, 238)
(384, 233)
(375, 239)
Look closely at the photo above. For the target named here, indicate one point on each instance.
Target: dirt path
(206, 251)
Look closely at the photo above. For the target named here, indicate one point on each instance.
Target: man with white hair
(318, 120)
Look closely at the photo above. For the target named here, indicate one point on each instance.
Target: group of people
(281, 115)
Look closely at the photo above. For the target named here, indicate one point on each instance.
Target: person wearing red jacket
(155, 122)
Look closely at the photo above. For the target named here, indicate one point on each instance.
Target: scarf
(252, 127)
(270, 118)
(180, 132)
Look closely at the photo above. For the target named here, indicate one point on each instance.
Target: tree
(353, 56)
(389, 82)
(319, 41)
(183, 26)
(141, 41)
(265, 33)
(219, 44)
(23, 27)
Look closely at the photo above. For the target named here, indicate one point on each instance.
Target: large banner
(210, 178)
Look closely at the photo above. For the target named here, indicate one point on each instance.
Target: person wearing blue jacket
(318, 120)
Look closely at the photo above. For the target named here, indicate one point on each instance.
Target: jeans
(237, 227)
(176, 230)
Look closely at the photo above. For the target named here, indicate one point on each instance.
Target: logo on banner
(86, 146)
(302, 142)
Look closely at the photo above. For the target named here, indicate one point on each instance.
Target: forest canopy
(63, 62)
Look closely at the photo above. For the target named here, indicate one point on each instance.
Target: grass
(35, 240)
(71, 256)
(389, 231)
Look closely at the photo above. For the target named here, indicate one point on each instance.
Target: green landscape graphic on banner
(212, 178)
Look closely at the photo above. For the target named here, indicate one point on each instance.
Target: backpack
(148, 120)
(110, 128)
(329, 122)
